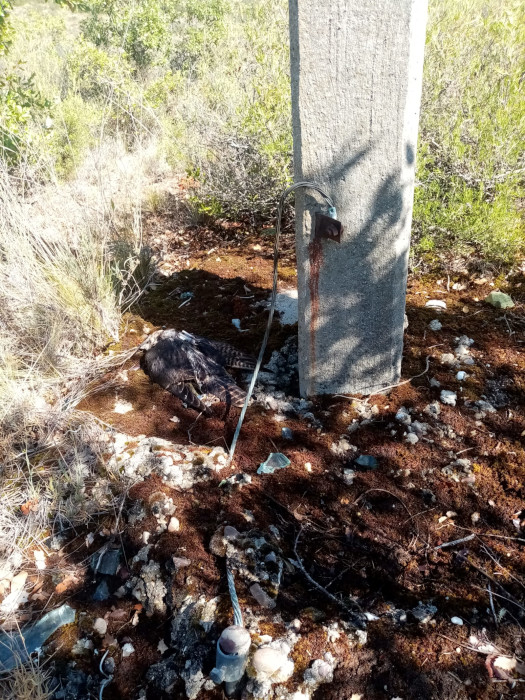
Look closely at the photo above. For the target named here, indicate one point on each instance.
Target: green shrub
(20, 102)
(75, 131)
(472, 131)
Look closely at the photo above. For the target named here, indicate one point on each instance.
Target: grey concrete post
(356, 86)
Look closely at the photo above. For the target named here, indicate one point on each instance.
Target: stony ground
(386, 561)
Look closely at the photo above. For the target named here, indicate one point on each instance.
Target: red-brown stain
(315, 253)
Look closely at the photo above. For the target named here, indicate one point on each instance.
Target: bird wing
(168, 362)
(223, 353)
(184, 392)
(224, 388)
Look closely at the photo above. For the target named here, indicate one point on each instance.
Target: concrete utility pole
(356, 88)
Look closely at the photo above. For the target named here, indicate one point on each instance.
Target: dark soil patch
(373, 540)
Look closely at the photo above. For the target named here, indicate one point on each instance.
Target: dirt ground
(375, 540)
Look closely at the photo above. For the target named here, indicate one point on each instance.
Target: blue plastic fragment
(367, 462)
(16, 648)
(287, 433)
(186, 295)
(275, 461)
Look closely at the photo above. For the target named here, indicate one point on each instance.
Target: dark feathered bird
(181, 361)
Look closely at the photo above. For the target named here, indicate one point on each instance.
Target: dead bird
(179, 361)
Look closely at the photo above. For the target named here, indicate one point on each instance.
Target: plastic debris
(367, 462)
(102, 591)
(287, 433)
(262, 597)
(275, 461)
(436, 304)
(17, 648)
(237, 323)
(106, 561)
(232, 652)
(186, 295)
(456, 621)
(499, 300)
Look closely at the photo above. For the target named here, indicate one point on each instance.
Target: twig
(487, 534)
(453, 542)
(354, 618)
(503, 597)
(493, 609)
(514, 578)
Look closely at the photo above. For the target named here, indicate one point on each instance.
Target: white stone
(448, 397)
(100, 626)
(173, 525)
(456, 621)
(122, 407)
(127, 650)
(435, 325)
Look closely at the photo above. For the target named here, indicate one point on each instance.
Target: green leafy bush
(472, 132)
(20, 102)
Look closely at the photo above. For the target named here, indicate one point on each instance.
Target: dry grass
(70, 262)
(27, 682)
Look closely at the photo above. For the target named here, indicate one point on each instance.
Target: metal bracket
(326, 227)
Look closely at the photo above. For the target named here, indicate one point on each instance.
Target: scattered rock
(343, 448)
(127, 650)
(448, 397)
(272, 665)
(174, 524)
(100, 626)
(456, 621)
(461, 376)
(435, 325)
(286, 433)
(411, 438)
(82, 646)
(433, 409)
(424, 612)
(499, 300)
(403, 416)
(448, 359)
(162, 647)
(349, 476)
(122, 407)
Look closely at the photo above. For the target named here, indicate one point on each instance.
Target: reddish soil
(374, 540)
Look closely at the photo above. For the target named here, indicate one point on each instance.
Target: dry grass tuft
(27, 682)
